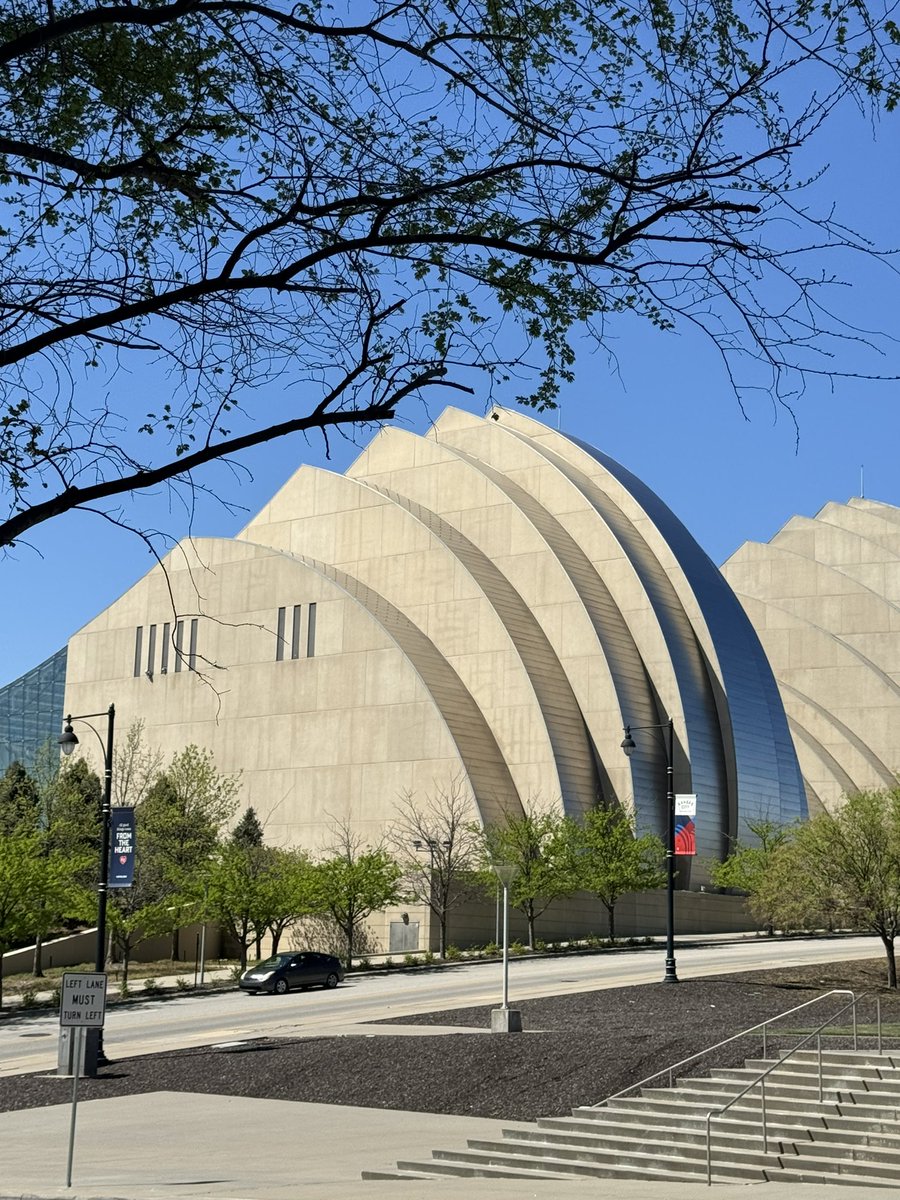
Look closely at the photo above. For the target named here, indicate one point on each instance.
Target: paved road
(29, 1043)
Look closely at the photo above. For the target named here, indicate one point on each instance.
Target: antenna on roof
(862, 481)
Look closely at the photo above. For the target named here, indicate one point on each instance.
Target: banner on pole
(685, 826)
(121, 848)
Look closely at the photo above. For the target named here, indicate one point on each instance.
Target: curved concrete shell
(823, 594)
(489, 604)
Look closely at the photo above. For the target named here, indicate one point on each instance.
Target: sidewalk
(226, 1148)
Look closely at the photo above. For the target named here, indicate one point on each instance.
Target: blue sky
(662, 407)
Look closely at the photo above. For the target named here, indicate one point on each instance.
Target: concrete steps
(851, 1136)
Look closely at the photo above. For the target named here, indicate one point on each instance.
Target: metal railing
(760, 1080)
(763, 1025)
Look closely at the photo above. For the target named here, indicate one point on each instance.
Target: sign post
(82, 1005)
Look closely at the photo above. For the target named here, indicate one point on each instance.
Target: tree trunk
(276, 938)
(2, 952)
(175, 944)
(529, 917)
(611, 910)
(888, 943)
(443, 935)
(126, 958)
(37, 968)
(348, 934)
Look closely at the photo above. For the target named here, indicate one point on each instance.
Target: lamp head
(67, 740)
(628, 744)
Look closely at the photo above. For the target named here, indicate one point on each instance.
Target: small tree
(438, 845)
(843, 868)
(36, 889)
(180, 822)
(354, 882)
(538, 844)
(135, 912)
(61, 807)
(136, 767)
(609, 860)
(257, 889)
(746, 867)
(235, 894)
(291, 883)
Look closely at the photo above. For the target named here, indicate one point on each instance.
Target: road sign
(82, 999)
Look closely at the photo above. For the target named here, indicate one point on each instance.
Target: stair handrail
(760, 1080)
(744, 1033)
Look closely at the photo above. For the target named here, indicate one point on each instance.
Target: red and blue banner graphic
(685, 826)
(121, 848)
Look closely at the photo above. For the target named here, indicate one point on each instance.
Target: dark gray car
(292, 972)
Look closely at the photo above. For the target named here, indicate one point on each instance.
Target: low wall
(80, 948)
(641, 914)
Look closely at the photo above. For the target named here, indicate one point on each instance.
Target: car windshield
(275, 961)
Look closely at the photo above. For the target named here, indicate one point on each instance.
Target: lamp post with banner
(629, 746)
(93, 1049)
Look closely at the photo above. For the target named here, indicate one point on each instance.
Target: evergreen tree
(20, 802)
(248, 831)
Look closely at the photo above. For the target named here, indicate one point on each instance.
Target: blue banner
(121, 848)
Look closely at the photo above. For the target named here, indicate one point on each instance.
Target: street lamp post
(628, 745)
(505, 1019)
(67, 743)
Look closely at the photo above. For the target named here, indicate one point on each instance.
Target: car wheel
(331, 980)
(281, 986)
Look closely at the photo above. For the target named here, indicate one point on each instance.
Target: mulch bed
(579, 1049)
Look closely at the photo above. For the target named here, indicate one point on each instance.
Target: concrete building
(486, 607)
(824, 596)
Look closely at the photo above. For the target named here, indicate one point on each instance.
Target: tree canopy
(611, 860)
(362, 202)
(538, 843)
(842, 870)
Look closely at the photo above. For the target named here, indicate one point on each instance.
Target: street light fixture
(629, 746)
(67, 741)
(505, 1019)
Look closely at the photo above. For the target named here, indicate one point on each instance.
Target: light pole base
(92, 1055)
(506, 1020)
(670, 976)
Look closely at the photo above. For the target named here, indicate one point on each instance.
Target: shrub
(388, 962)
(491, 949)
(410, 960)
(182, 984)
(28, 998)
(452, 953)
(540, 946)
(516, 947)
(123, 989)
(428, 957)
(151, 986)
(55, 995)
(363, 964)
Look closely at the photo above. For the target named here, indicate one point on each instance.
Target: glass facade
(31, 710)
